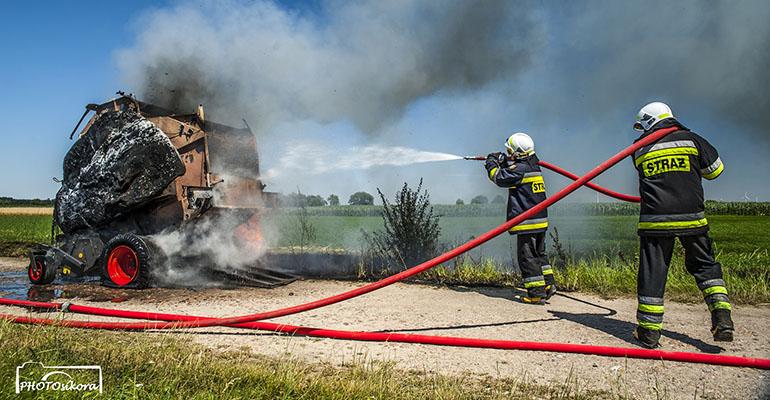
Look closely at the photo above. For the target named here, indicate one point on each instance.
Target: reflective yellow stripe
(665, 152)
(651, 308)
(716, 172)
(528, 285)
(650, 325)
(674, 224)
(664, 115)
(492, 173)
(714, 289)
(531, 179)
(720, 305)
(523, 227)
(548, 271)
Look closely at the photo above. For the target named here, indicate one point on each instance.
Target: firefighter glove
(492, 161)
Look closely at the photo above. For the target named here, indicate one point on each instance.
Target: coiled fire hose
(248, 321)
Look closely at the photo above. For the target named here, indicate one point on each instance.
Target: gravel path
(472, 312)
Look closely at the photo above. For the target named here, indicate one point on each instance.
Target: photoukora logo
(36, 377)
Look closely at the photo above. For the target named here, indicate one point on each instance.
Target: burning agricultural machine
(138, 170)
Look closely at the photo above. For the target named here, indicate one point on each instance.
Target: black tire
(39, 272)
(127, 260)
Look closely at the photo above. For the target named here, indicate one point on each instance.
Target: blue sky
(57, 57)
(576, 99)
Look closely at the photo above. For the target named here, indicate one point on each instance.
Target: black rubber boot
(550, 290)
(647, 337)
(535, 295)
(722, 325)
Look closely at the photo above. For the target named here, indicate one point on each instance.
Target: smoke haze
(363, 61)
(458, 77)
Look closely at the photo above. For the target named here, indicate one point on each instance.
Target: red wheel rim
(35, 270)
(122, 265)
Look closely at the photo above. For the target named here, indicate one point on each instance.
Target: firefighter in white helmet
(670, 173)
(519, 172)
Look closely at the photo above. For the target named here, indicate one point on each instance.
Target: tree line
(300, 199)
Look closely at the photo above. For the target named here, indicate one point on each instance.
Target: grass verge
(746, 274)
(164, 366)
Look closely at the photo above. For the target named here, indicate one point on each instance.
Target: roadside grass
(166, 366)
(746, 276)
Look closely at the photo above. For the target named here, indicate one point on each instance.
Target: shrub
(411, 229)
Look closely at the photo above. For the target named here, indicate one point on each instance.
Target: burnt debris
(122, 163)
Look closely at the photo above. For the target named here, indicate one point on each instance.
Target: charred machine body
(137, 171)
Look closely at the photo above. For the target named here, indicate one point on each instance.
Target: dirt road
(472, 312)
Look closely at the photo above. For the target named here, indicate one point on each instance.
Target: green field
(586, 236)
(25, 228)
(599, 253)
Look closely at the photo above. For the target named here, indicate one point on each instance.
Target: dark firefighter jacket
(525, 189)
(670, 173)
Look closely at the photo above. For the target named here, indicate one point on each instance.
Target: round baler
(137, 170)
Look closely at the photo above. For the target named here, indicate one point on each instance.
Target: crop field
(582, 235)
(25, 228)
(595, 253)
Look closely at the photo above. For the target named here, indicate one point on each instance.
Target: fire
(250, 233)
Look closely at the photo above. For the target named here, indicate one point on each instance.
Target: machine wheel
(126, 261)
(39, 272)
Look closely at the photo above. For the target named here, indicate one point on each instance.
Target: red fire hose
(600, 189)
(409, 272)
(248, 321)
(649, 139)
(714, 359)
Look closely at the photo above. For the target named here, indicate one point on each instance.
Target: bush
(411, 230)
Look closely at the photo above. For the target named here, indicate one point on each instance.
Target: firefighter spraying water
(519, 172)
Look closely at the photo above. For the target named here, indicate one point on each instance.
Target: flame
(250, 233)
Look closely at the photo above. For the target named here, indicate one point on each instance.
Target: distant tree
(498, 199)
(333, 199)
(480, 199)
(361, 199)
(292, 200)
(315, 201)
(459, 202)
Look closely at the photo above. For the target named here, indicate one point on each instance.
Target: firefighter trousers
(535, 268)
(654, 259)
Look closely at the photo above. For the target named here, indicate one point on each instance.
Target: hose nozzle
(474, 158)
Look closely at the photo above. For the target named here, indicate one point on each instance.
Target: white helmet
(520, 145)
(651, 114)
